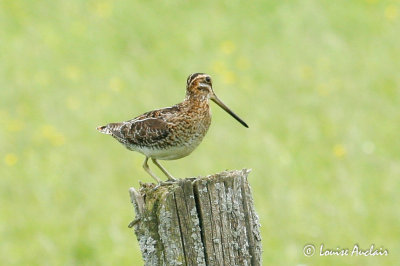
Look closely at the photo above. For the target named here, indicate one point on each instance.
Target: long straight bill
(229, 111)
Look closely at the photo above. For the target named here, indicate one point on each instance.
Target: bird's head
(199, 87)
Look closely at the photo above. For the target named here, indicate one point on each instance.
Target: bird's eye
(208, 79)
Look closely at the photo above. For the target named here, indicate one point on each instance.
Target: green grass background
(317, 81)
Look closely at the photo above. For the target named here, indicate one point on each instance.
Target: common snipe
(173, 132)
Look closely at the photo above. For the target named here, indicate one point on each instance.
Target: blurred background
(317, 82)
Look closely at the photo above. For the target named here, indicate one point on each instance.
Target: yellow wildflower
(339, 151)
(51, 134)
(15, 125)
(72, 73)
(228, 47)
(103, 9)
(219, 67)
(228, 77)
(391, 12)
(323, 89)
(116, 84)
(10, 159)
(306, 72)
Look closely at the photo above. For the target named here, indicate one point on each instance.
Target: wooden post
(198, 221)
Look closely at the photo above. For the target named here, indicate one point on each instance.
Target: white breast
(172, 153)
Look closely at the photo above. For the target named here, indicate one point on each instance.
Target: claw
(164, 183)
(131, 224)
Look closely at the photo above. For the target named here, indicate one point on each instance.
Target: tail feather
(104, 130)
(111, 129)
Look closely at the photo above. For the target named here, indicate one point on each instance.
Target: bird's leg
(146, 167)
(170, 177)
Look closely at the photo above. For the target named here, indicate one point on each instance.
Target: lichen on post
(198, 221)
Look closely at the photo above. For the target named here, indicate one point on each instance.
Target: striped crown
(192, 77)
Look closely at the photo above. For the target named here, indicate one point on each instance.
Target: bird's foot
(165, 183)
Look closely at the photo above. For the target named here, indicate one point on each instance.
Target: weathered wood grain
(198, 221)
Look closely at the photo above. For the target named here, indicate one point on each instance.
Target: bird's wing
(145, 131)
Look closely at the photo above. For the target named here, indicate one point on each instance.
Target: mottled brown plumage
(174, 132)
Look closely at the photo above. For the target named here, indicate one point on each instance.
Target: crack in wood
(180, 229)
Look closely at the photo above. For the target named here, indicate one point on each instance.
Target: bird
(173, 132)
